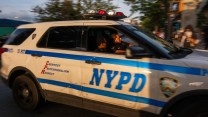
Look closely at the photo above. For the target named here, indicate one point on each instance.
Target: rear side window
(19, 36)
(68, 37)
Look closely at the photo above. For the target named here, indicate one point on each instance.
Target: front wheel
(25, 93)
(195, 108)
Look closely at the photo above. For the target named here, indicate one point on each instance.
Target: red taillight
(102, 12)
(119, 14)
(2, 50)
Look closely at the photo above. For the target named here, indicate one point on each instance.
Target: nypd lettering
(139, 80)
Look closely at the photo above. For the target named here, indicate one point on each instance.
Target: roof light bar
(92, 11)
(111, 12)
(102, 12)
(119, 14)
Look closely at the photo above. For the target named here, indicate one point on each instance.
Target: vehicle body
(62, 65)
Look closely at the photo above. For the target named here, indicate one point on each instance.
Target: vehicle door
(55, 60)
(144, 81)
(109, 77)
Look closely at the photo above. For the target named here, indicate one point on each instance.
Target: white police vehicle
(60, 62)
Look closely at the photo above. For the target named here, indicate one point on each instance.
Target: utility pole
(173, 7)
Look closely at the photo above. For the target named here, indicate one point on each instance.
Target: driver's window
(108, 40)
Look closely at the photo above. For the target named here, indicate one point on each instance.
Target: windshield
(151, 38)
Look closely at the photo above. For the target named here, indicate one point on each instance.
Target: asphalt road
(8, 108)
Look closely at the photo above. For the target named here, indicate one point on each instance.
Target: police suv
(61, 62)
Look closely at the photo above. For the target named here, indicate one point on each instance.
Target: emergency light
(111, 12)
(102, 12)
(104, 15)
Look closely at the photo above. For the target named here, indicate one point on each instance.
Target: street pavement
(8, 108)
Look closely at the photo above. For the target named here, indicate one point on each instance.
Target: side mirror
(137, 52)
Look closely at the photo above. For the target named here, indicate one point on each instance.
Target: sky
(21, 9)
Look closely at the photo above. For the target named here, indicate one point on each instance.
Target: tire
(25, 93)
(194, 108)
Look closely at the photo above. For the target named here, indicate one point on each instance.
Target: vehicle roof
(71, 22)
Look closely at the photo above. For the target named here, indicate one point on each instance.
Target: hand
(120, 51)
(102, 46)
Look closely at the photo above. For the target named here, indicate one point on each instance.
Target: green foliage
(153, 12)
(55, 10)
(86, 5)
(58, 10)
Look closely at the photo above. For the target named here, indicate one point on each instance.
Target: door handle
(36, 55)
(95, 62)
(88, 61)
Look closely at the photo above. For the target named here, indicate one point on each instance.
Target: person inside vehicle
(103, 45)
(113, 44)
(118, 45)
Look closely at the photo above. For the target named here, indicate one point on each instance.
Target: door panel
(108, 76)
(110, 81)
(56, 64)
(56, 71)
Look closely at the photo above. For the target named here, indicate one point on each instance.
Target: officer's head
(116, 38)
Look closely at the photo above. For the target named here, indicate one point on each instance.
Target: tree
(96, 5)
(153, 12)
(57, 10)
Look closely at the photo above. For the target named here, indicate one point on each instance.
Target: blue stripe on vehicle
(105, 93)
(6, 49)
(153, 66)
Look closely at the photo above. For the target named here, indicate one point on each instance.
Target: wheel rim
(24, 94)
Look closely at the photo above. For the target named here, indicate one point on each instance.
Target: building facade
(189, 14)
